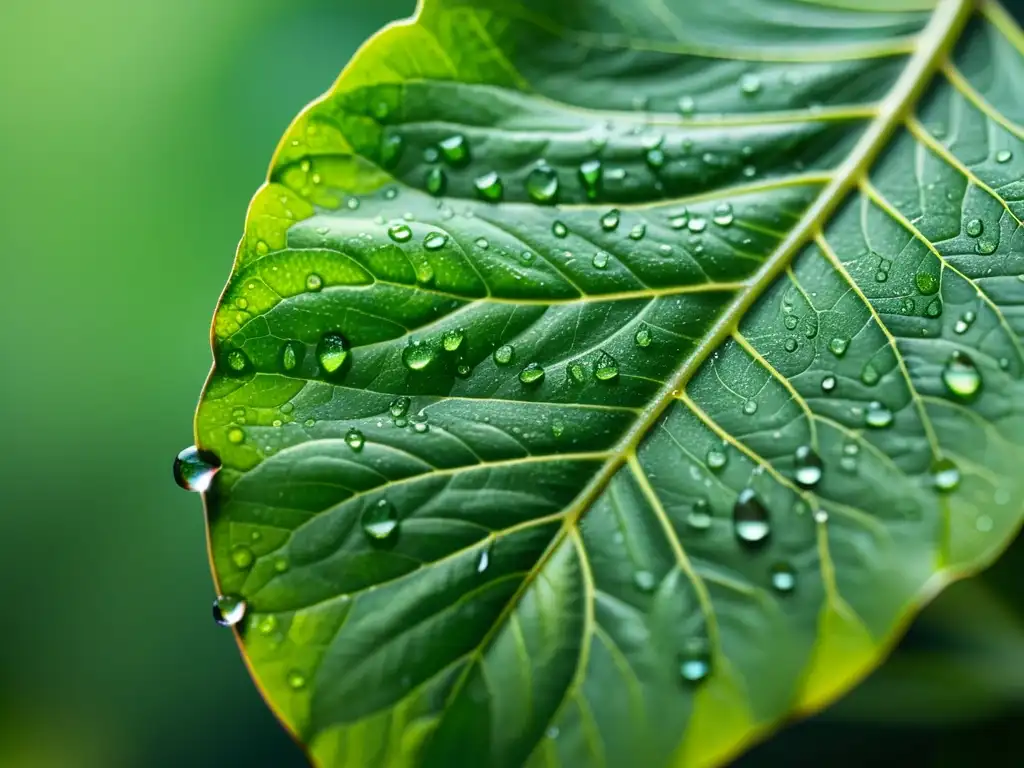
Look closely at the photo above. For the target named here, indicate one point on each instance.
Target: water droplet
(577, 373)
(314, 282)
(877, 415)
(643, 337)
(983, 524)
(791, 322)
(961, 377)
(391, 150)
(435, 241)
(557, 428)
(645, 581)
(236, 436)
(750, 84)
(750, 407)
(380, 521)
(808, 467)
(542, 184)
(838, 346)
(600, 260)
(985, 247)
(1004, 156)
(934, 309)
(975, 227)
(452, 339)
(482, 244)
(531, 374)
(590, 177)
(228, 610)
(638, 231)
(723, 216)
(418, 355)
(558, 229)
(716, 457)
(242, 557)
(503, 354)
(455, 150)
(750, 519)
(655, 157)
(696, 224)
(267, 625)
(262, 249)
(236, 361)
(610, 221)
(489, 187)
(355, 440)
(332, 351)
(699, 517)
(399, 407)
(695, 662)
(437, 181)
(782, 577)
(790, 345)
(400, 233)
(687, 105)
(926, 283)
(606, 368)
(296, 681)
(194, 469)
(945, 475)
(485, 558)
(869, 375)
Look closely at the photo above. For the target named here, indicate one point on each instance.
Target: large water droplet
(723, 216)
(838, 346)
(926, 283)
(380, 521)
(559, 230)
(1004, 156)
(228, 610)
(437, 181)
(945, 475)
(699, 517)
(610, 221)
(237, 361)
(606, 368)
(974, 227)
(314, 282)
(332, 351)
(418, 355)
(961, 377)
(355, 440)
(590, 177)
(750, 407)
(783, 578)
(194, 469)
(600, 260)
(452, 339)
(485, 558)
(542, 184)
(750, 519)
(400, 233)
(716, 457)
(503, 354)
(399, 407)
(455, 150)
(809, 467)
(531, 374)
(877, 415)
(489, 187)
(435, 241)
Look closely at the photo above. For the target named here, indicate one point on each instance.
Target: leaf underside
(637, 267)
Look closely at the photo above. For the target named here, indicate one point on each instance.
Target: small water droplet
(838, 346)
(400, 233)
(945, 475)
(242, 557)
(437, 181)
(638, 231)
(975, 227)
(391, 150)
(687, 105)
(750, 407)
(695, 662)
(696, 224)
(716, 457)
(228, 610)
(418, 355)
(723, 215)
(1004, 156)
(645, 581)
(455, 150)
(380, 521)
(237, 361)
(600, 259)
(610, 221)
(435, 241)
(542, 184)
(489, 187)
(452, 339)
(985, 247)
(643, 337)
(699, 517)
(194, 469)
(926, 283)
(332, 351)
(531, 374)
(503, 354)
(355, 440)
(791, 322)
(314, 282)
(606, 368)
(790, 345)
(485, 558)
(782, 577)
(482, 244)
(983, 524)
(236, 436)
(296, 681)
(961, 377)
(557, 428)
(808, 467)
(590, 174)
(559, 230)
(877, 416)
(750, 519)
(577, 373)
(655, 157)
(750, 84)
(399, 407)
(869, 375)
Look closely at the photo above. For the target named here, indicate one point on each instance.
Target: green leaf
(602, 383)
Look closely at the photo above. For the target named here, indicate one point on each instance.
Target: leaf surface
(602, 382)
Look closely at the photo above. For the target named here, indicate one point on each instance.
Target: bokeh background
(132, 135)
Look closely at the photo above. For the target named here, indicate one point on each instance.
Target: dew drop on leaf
(400, 233)
(435, 241)
(380, 521)
(391, 150)
(945, 475)
(606, 368)
(643, 337)
(961, 377)
(790, 345)
(354, 439)
(236, 436)
(418, 355)
(696, 224)
(1004, 156)
(332, 351)
(600, 260)
(437, 181)
(399, 407)
(687, 105)
(484, 561)
(542, 184)
(452, 339)
(455, 150)
(531, 374)
(194, 469)
(228, 610)
(838, 346)
(241, 556)
(869, 375)
(783, 578)
(877, 416)
(655, 157)
(590, 174)
(926, 283)
(723, 215)
(974, 227)
(237, 361)
(750, 519)
(296, 681)
(750, 84)
(503, 354)
(716, 457)
(314, 282)
(610, 220)
(699, 517)
(558, 229)
(808, 467)
(638, 231)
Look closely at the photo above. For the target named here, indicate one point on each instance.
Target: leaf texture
(601, 382)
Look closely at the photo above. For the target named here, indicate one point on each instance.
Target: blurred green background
(133, 134)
